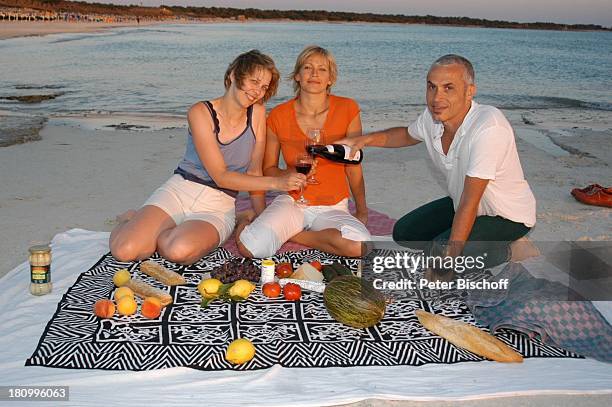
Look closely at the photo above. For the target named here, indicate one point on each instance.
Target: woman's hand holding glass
(291, 181)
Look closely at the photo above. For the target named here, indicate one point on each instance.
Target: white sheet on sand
(23, 318)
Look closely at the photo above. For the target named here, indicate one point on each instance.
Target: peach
(104, 308)
(123, 292)
(126, 306)
(151, 307)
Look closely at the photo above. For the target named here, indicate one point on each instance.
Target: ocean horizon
(163, 69)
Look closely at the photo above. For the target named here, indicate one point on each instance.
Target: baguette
(161, 274)
(144, 290)
(468, 337)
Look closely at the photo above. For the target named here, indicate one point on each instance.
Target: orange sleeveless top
(333, 185)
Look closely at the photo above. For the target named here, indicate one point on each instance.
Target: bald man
(489, 202)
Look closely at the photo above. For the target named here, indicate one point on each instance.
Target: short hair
(452, 59)
(306, 53)
(247, 64)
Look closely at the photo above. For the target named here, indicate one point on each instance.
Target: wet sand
(14, 29)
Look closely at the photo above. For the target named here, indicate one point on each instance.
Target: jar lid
(43, 248)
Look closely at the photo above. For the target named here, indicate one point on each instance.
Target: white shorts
(187, 200)
(283, 219)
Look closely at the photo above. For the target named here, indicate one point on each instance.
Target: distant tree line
(295, 15)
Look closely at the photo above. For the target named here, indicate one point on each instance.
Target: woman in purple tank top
(194, 212)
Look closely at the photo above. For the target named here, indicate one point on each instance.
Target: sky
(557, 11)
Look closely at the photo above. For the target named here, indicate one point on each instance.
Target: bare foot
(125, 216)
(522, 249)
(245, 217)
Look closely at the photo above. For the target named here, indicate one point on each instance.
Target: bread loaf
(144, 290)
(161, 274)
(468, 337)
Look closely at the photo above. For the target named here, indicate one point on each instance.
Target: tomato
(271, 290)
(316, 264)
(284, 270)
(292, 292)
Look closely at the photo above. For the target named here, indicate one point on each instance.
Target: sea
(162, 70)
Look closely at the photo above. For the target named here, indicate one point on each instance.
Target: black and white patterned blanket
(290, 334)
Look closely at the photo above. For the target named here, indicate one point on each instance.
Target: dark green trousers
(432, 223)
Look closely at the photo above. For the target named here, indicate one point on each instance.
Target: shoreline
(23, 29)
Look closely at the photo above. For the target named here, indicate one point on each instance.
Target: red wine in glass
(303, 165)
(303, 168)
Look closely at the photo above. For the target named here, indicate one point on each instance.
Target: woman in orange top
(324, 223)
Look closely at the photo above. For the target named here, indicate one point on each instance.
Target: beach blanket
(23, 318)
(541, 308)
(290, 334)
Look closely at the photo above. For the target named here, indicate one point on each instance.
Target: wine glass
(315, 139)
(303, 165)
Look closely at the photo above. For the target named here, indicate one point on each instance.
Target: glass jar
(267, 271)
(40, 270)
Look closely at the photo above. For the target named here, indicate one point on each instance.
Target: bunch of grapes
(237, 269)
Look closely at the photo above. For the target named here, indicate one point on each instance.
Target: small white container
(267, 271)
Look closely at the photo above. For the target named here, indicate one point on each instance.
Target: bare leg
(241, 248)
(188, 242)
(135, 238)
(329, 241)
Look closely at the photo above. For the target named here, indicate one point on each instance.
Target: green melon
(354, 302)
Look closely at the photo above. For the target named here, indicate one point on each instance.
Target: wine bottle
(336, 152)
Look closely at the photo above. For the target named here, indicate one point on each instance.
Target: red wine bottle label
(344, 152)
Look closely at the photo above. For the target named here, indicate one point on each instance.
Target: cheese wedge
(307, 272)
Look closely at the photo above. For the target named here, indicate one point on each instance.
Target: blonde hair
(306, 53)
(248, 63)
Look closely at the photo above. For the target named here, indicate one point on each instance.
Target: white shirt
(483, 147)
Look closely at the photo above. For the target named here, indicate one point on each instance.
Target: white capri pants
(283, 219)
(186, 200)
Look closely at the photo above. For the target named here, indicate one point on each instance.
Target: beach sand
(14, 29)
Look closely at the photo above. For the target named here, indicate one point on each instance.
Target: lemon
(209, 288)
(240, 351)
(241, 288)
(121, 277)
